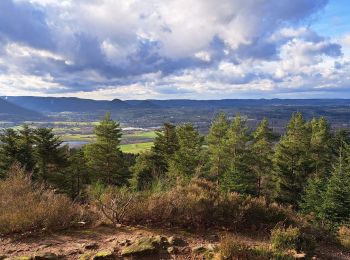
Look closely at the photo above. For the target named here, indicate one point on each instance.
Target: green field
(136, 148)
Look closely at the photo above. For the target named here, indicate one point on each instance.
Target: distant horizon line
(171, 99)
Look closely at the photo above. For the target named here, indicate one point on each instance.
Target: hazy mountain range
(29, 108)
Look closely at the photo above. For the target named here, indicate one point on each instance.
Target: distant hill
(71, 104)
(63, 104)
(229, 103)
(9, 111)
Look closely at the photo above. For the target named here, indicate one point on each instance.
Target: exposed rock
(106, 255)
(176, 241)
(199, 249)
(142, 247)
(125, 242)
(300, 256)
(91, 246)
(172, 250)
(161, 241)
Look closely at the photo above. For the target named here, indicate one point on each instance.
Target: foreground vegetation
(295, 191)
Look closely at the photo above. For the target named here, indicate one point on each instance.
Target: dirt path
(83, 243)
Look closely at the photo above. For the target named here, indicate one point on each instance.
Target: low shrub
(292, 239)
(231, 248)
(285, 238)
(25, 206)
(196, 205)
(344, 236)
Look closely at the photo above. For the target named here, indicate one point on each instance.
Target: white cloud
(174, 48)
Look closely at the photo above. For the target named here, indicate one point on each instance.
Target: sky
(171, 49)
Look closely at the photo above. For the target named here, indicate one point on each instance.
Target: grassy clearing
(136, 148)
(141, 134)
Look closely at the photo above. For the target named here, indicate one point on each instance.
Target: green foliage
(238, 176)
(104, 156)
(336, 205)
(262, 152)
(50, 156)
(285, 238)
(216, 139)
(145, 171)
(321, 149)
(292, 161)
(186, 161)
(292, 239)
(232, 248)
(312, 200)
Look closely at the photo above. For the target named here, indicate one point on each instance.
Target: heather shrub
(25, 206)
(112, 202)
(196, 205)
(232, 248)
(292, 239)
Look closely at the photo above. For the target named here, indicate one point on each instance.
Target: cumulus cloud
(165, 49)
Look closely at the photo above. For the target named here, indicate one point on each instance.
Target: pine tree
(336, 205)
(292, 164)
(262, 151)
(9, 150)
(313, 198)
(165, 145)
(50, 156)
(76, 177)
(216, 139)
(26, 149)
(321, 150)
(145, 171)
(104, 157)
(238, 176)
(187, 159)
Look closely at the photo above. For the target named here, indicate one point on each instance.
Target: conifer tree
(26, 148)
(238, 176)
(104, 157)
(336, 205)
(321, 149)
(313, 197)
(145, 171)
(216, 139)
(165, 145)
(9, 151)
(187, 159)
(76, 176)
(262, 151)
(50, 156)
(292, 161)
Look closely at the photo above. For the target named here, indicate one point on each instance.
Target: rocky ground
(123, 243)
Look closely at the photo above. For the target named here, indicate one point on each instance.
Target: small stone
(125, 242)
(176, 241)
(142, 247)
(91, 246)
(300, 256)
(172, 250)
(198, 249)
